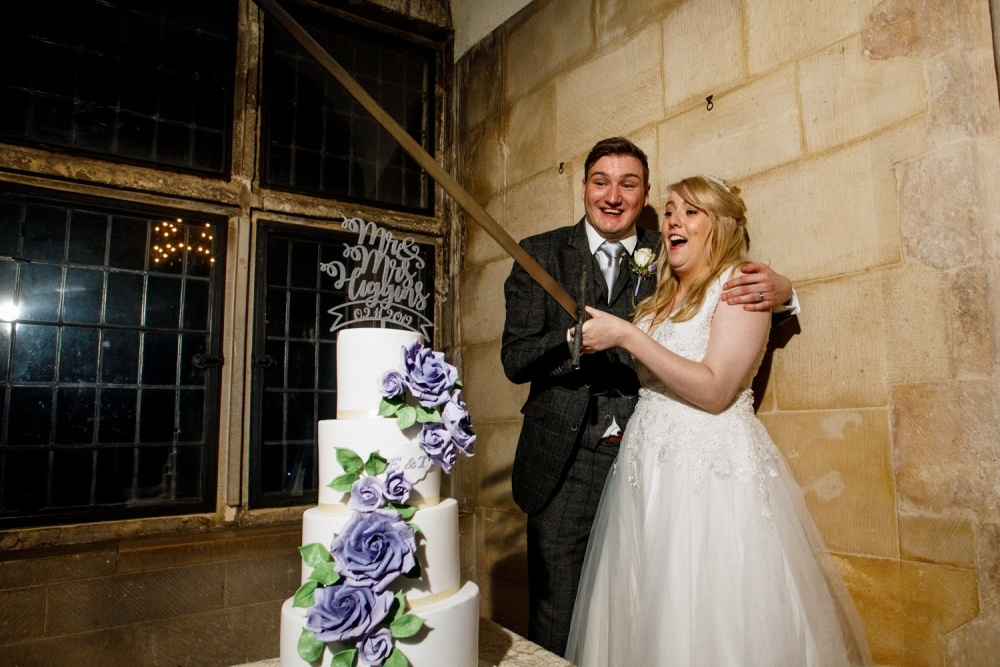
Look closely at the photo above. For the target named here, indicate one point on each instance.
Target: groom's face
(614, 193)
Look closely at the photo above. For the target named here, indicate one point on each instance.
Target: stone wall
(865, 136)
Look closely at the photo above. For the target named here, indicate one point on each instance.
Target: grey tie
(612, 252)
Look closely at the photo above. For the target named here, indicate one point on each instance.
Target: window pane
(85, 396)
(317, 141)
(109, 80)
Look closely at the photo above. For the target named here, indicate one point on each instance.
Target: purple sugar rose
(376, 647)
(346, 612)
(435, 440)
(373, 549)
(391, 384)
(397, 488)
(367, 495)
(459, 424)
(428, 376)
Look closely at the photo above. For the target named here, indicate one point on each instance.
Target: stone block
(846, 96)
(543, 39)
(124, 599)
(508, 606)
(484, 162)
(505, 551)
(490, 397)
(587, 112)
(114, 647)
(842, 459)
(229, 636)
(975, 644)
(155, 553)
(496, 443)
(987, 155)
(482, 300)
(644, 138)
(537, 205)
(691, 74)
(945, 437)
(34, 567)
(911, 28)
(750, 129)
(988, 567)
(970, 322)
(937, 539)
(827, 365)
(875, 584)
(798, 220)
(977, 30)
(467, 540)
(962, 96)
(614, 19)
(480, 81)
(935, 600)
(22, 614)
(916, 306)
(255, 580)
(531, 139)
(783, 30)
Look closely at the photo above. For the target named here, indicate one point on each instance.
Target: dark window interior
(295, 353)
(318, 140)
(146, 81)
(107, 411)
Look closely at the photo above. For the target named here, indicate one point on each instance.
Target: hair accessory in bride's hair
(718, 181)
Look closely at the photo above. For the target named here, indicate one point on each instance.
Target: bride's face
(686, 230)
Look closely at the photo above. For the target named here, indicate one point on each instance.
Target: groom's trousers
(558, 534)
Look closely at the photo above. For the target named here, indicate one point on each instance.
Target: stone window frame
(243, 201)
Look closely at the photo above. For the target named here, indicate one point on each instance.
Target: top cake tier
(363, 355)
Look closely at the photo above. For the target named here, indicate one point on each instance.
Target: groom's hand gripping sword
(276, 12)
(581, 316)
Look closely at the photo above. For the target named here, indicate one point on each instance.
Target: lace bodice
(667, 429)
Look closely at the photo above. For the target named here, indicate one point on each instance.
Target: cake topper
(383, 283)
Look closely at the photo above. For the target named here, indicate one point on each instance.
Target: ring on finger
(761, 296)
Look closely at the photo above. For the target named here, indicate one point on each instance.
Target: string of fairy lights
(170, 246)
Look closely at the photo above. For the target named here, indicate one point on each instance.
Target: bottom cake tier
(449, 638)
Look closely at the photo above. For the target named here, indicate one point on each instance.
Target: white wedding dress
(702, 552)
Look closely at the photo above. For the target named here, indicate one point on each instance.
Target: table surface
(498, 647)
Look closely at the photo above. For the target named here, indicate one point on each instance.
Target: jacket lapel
(577, 256)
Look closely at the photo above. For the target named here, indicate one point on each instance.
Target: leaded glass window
(109, 326)
(295, 351)
(140, 80)
(318, 140)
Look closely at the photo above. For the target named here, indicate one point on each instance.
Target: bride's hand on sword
(603, 331)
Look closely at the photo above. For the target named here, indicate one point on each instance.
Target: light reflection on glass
(9, 311)
(168, 249)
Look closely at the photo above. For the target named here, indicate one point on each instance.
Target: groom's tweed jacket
(535, 350)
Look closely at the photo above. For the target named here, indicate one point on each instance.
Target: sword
(581, 317)
(417, 152)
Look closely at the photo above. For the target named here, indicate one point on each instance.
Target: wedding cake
(380, 574)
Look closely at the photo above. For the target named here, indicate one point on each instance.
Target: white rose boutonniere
(643, 264)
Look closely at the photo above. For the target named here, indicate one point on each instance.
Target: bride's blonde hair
(726, 246)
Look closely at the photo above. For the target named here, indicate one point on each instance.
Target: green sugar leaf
(375, 465)
(344, 658)
(324, 574)
(349, 461)
(310, 649)
(304, 596)
(428, 415)
(406, 417)
(388, 408)
(396, 659)
(405, 626)
(458, 384)
(314, 554)
(400, 604)
(344, 482)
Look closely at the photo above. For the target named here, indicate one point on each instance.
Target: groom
(573, 419)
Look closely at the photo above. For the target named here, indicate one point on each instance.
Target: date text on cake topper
(383, 285)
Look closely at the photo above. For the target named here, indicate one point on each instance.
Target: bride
(702, 552)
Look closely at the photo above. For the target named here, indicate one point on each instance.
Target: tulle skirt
(689, 567)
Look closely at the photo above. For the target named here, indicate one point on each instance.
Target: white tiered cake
(450, 611)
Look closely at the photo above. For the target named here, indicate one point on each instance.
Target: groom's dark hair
(616, 146)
